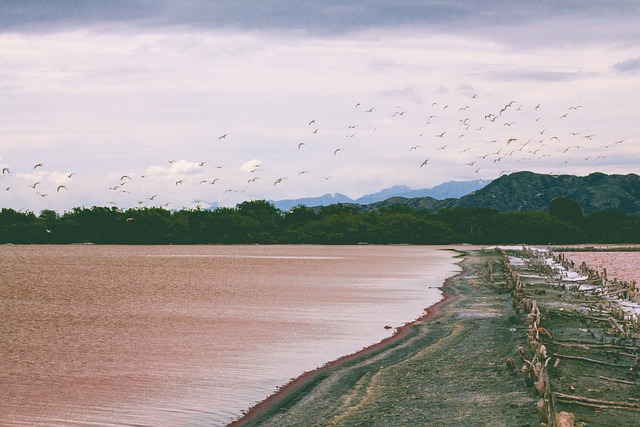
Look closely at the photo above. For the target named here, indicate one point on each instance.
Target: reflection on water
(190, 335)
(619, 265)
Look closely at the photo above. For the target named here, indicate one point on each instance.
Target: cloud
(628, 66)
(177, 168)
(406, 92)
(534, 75)
(251, 165)
(319, 16)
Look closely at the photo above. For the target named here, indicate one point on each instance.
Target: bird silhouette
(60, 187)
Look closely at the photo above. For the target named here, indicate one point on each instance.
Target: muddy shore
(521, 339)
(446, 369)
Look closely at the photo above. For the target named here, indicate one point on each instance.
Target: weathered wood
(618, 326)
(619, 381)
(586, 359)
(587, 401)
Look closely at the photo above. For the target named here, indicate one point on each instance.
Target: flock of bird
(517, 135)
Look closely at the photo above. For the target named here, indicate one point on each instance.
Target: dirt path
(448, 369)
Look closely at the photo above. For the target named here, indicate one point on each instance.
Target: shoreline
(298, 383)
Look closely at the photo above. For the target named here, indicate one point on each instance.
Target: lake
(191, 335)
(620, 265)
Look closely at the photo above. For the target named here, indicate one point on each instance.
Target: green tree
(566, 210)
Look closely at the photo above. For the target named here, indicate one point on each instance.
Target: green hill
(528, 191)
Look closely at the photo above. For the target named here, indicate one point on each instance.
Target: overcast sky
(314, 97)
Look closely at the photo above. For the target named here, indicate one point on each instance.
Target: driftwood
(618, 327)
(619, 381)
(565, 419)
(590, 345)
(596, 403)
(620, 291)
(586, 359)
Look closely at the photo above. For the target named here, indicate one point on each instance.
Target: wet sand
(298, 384)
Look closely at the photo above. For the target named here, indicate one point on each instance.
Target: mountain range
(528, 191)
(447, 190)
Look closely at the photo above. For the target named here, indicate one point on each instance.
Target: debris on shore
(581, 353)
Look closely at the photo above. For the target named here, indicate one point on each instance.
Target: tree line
(261, 222)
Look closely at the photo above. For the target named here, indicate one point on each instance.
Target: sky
(200, 103)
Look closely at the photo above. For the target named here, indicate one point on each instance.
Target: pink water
(619, 265)
(190, 335)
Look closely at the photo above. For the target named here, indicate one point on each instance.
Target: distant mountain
(442, 191)
(325, 200)
(446, 190)
(528, 191)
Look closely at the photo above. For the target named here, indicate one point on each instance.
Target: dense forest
(261, 222)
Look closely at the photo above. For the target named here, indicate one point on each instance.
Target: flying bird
(301, 144)
(39, 165)
(424, 163)
(441, 135)
(278, 181)
(179, 182)
(336, 151)
(34, 184)
(5, 170)
(61, 187)
(223, 136)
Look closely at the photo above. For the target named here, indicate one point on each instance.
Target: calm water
(620, 265)
(190, 335)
